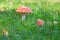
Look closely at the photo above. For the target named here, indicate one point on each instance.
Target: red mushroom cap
(40, 22)
(23, 9)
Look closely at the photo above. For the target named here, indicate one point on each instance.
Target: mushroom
(55, 22)
(5, 32)
(23, 10)
(40, 22)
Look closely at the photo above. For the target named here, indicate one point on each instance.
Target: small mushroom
(5, 32)
(55, 22)
(23, 10)
(40, 22)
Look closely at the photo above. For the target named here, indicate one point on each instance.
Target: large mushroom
(23, 10)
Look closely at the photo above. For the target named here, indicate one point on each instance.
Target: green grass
(11, 21)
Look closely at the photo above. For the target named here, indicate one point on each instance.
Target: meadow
(27, 29)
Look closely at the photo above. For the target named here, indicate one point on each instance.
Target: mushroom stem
(6, 33)
(23, 16)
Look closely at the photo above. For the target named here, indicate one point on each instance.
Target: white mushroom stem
(6, 33)
(23, 16)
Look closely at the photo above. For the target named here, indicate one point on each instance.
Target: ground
(27, 29)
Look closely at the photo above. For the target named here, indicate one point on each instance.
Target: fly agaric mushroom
(40, 22)
(23, 10)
